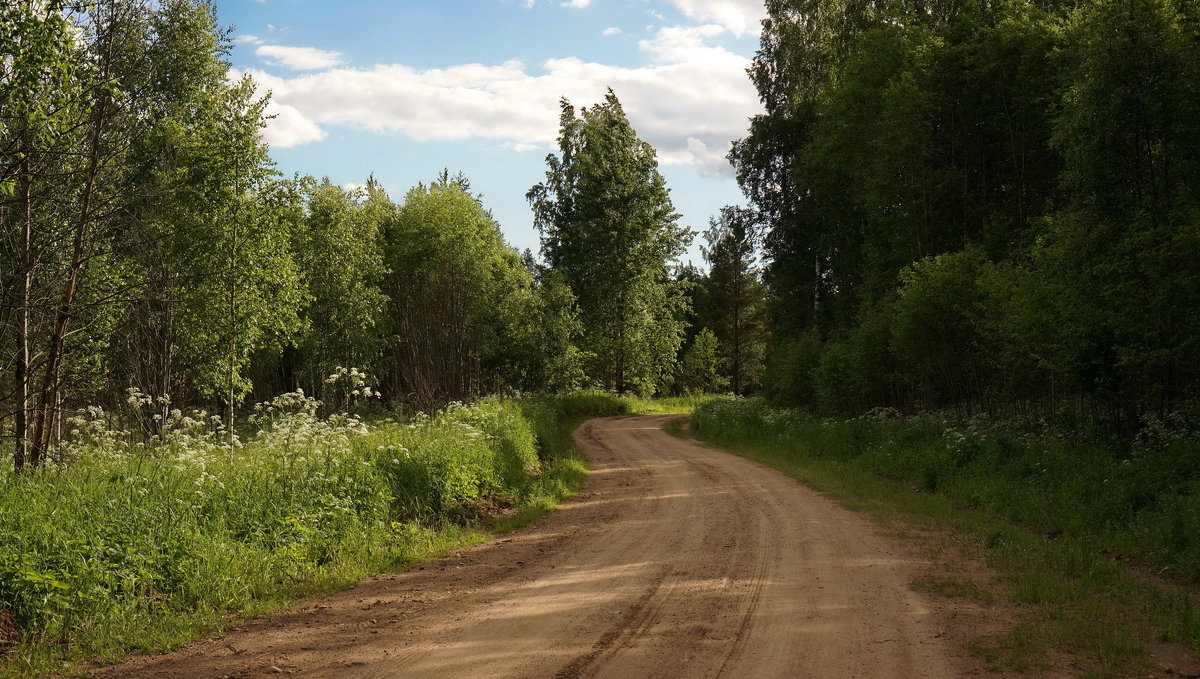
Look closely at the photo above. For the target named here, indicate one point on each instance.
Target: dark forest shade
(980, 205)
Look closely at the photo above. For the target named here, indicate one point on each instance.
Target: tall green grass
(1072, 528)
(669, 404)
(143, 544)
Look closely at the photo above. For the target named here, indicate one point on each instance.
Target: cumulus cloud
(681, 44)
(709, 162)
(289, 127)
(577, 3)
(689, 101)
(737, 16)
(611, 30)
(299, 58)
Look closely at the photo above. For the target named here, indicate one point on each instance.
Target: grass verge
(668, 405)
(1086, 545)
(144, 545)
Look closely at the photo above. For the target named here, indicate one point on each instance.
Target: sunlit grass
(667, 405)
(147, 544)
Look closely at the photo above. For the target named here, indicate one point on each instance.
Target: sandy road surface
(677, 560)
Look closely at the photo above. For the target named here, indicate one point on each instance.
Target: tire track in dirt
(677, 560)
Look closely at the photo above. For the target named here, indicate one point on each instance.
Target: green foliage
(256, 295)
(39, 73)
(452, 277)
(541, 326)
(937, 324)
(149, 234)
(1129, 125)
(734, 299)
(339, 250)
(701, 370)
(608, 229)
(133, 531)
(985, 207)
(208, 224)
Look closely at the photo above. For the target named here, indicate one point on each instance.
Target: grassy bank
(1098, 548)
(667, 405)
(138, 542)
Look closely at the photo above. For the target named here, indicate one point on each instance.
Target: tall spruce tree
(608, 228)
(735, 296)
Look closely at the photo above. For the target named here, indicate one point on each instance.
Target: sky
(405, 88)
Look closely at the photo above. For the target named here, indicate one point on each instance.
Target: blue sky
(403, 88)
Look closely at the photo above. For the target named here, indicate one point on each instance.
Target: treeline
(985, 206)
(149, 243)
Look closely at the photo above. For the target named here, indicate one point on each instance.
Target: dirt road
(677, 560)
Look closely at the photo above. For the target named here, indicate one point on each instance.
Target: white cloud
(612, 30)
(690, 101)
(289, 127)
(739, 17)
(299, 58)
(681, 44)
(577, 3)
(709, 162)
(248, 40)
(520, 147)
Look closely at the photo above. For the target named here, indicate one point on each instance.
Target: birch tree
(609, 230)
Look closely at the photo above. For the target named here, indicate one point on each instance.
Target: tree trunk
(232, 376)
(49, 396)
(25, 298)
(621, 319)
(738, 301)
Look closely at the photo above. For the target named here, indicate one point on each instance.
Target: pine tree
(735, 296)
(702, 368)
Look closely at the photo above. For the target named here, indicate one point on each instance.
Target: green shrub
(129, 532)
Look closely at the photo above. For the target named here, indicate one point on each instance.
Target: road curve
(677, 560)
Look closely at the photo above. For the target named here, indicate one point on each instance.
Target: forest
(985, 212)
(984, 207)
(225, 388)
(154, 247)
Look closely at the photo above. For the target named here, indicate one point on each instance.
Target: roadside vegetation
(966, 281)
(135, 542)
(1099, 549)
(981, 256)
(161, 277)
